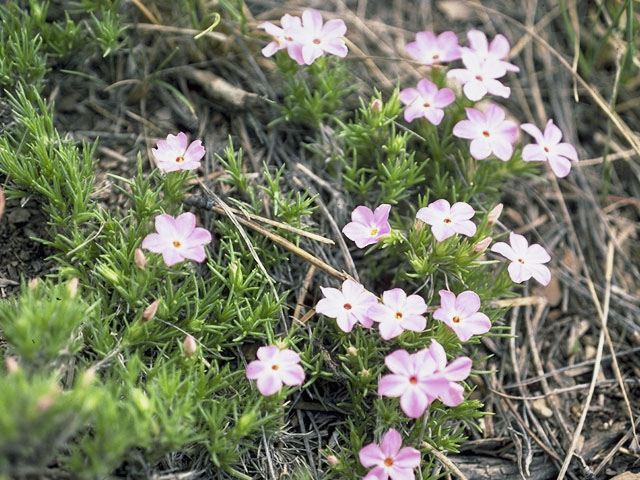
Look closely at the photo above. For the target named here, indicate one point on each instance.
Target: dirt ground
(588, 316)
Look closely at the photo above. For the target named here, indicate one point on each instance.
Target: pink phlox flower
(496, 51)
(283, 37)
(177, 239)
(367, 227)
(479, 77)
(447, 220)
(348, 306)
(548, 148)
(526, 260)
(461, 314)
(398, 312)
(173, 154)
(317, 38)
(275, 367)
(410, 380)
(444, 382)
(426, 101)
(389, 459)
(489, 133)
(432, 50)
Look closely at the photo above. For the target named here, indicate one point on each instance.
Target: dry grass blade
(2, 202)
(596, 368)
(283, 242)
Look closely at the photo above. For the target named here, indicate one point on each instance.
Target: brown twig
(444, 460)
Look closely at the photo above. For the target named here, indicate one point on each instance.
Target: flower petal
(268, 383)
(414, 402)
(391, 443)
(371, 455)
(393, 385)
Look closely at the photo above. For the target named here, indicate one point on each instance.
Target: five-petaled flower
(398, 312)
(389, 459)
(173, 154)
(548, 148)
(348, 306)
(496, 51)
(275, 367)
(446, 219)
(411, 380)
(426, 101)
(432, 50)
(367, 227)
(316, 38)
(177, 239)
(479, 77)
(283, 37)
(489, 132)
(461, 314)
(526, 260)
(446, 377)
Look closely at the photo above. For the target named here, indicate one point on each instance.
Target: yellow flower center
(388, 462)
(456, 319)
(176, 243)
(374, 232)
(179, 159)
(398, 315)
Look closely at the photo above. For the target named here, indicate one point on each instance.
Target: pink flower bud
(190, 346)
(88, 377)
(33, 283)
(73, 287)
(494, 214)
(140, 259)
(482, 245)
(46, 401)
(376, 105)
(332, 460)
(353, 351)
(12, 364)
(364, 372)
(2, 202)
(150, 311)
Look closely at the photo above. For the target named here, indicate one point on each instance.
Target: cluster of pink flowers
(398, 311)
(178, 239)
(368, 227)
(490, 133)
(306, 38)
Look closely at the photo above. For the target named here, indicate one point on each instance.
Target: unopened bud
(12, 364)
(190, 346)
(376, 105)
(494, 214)
(364, 372)
(46, 401)
(73, 287)
(88, 377)
(353, 351)
(419, 225)
(33, 283)
(140, 259)
(150, 311)
(332, 460)
(482, 245)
